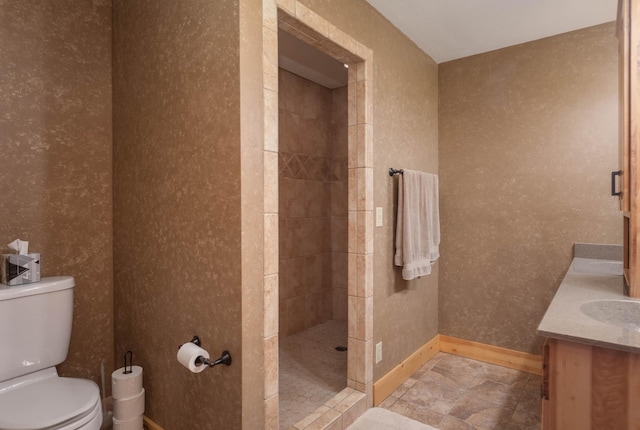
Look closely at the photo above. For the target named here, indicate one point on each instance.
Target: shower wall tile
(305, 110)
(364, 180)
(315, 168)
(352, 117)
(339, 304)
(353, 230)
(356, 347)
(304, 199)
(270, 120)
(358, 327)
(352, 273)
(304, 236)
(363, 106)
(313, 187)
(318, 307)
(367, 363)
(287, 5)
(271, 366)
(339, 164)
(292, 315)
(357, 372)
(364, 71)
(270, 15)
(352, 327)
(289, 130)
(291, 92)
(352, 147)
(316, 105)
(364, 145)
(270, 243)
(270, 54)
(312, 19)
(304, 274)
(271, 301)
(339, 231)
(364, 224)
(339, 108)
(339, 124)
(339, 195)
(353, 197)
(272, 412)
(270, 182)
(356, 51)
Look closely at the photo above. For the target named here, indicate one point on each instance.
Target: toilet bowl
(45, 401)
(35, 330)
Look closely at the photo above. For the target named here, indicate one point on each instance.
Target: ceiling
(304, 60)
(452, 29)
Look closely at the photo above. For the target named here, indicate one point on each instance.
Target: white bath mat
(384, 419)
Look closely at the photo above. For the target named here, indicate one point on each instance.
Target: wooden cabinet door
(628, 29)
(590, 388)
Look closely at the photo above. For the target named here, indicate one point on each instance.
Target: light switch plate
(378, 352)
(378, 216)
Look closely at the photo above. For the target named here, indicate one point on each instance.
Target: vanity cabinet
(588, 387)
(628, 30)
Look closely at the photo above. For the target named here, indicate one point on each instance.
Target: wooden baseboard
(150, 425)
(392, 380)
(509, 358)
(529, 363)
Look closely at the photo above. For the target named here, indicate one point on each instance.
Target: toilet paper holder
(225, 357)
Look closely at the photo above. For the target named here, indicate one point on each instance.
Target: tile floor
(311, 370)
(451, 392)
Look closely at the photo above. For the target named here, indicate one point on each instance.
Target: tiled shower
(313, 224)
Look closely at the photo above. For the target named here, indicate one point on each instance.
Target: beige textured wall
(528, 138)
(339, 213)
(313, 204)
(177, 159)
(55, 128)
(405, 134)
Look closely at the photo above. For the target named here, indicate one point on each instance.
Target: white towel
(418, 223)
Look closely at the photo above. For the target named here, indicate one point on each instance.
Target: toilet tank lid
(46, 285)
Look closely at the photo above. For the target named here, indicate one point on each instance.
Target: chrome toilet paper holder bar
(225, 357)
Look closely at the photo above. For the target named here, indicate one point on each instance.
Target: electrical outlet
(378, 352)
(378, 216)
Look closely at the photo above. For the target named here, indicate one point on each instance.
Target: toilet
(35, 330)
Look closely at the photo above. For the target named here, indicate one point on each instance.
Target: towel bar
(393, 171)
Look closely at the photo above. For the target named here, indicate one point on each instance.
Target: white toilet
(35, 330)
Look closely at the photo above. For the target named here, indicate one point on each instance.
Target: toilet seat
(45, 401)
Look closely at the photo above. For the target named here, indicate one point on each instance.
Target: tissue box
(20, 269)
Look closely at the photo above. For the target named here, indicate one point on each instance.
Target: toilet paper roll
(135, 423)
(129, 408)
(187, 355)
(125, 385)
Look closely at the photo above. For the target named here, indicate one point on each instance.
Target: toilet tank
(35, 325)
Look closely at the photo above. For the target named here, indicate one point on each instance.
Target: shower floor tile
(311, 370)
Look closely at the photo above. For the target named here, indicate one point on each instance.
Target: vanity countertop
(587, 281)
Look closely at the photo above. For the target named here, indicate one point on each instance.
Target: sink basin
(621, 313)
(598, 267)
